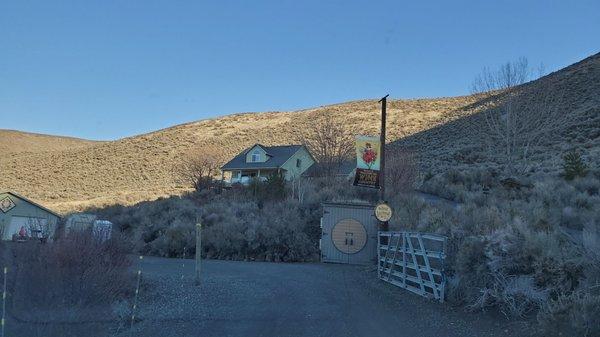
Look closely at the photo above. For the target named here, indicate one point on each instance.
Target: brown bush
(72, 280)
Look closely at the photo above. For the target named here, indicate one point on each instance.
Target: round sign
(383, 212)
(349, 236)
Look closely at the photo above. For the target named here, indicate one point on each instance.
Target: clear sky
(110, 69)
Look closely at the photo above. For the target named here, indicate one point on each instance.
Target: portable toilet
(79, 222)
(102, 230)
(348, 233)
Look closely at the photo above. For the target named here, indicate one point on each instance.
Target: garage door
(30, 225)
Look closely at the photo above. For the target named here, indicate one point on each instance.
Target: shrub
(571, 314)
(150, 221)
(176, 239)
(74, 279)
(573, 166)
(278, 232)
(588, 184)
(253, 222)
(75, 270)
(508, 248)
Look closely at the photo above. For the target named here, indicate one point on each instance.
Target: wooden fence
(413, 261)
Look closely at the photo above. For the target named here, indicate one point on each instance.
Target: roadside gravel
(279, 300)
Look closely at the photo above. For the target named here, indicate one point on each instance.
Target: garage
(348, 233)
(21, 218)
(31, 226)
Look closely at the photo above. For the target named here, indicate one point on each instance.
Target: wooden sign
(383, 212)
(6, 204)
(366, 178)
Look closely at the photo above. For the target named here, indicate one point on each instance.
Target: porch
(244, 177)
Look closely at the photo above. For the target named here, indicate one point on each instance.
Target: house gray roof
(278, 155)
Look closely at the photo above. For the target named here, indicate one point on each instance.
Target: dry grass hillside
(456, 144)
(77, 174)
(20, 143)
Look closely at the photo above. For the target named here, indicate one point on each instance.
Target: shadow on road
(280, 299)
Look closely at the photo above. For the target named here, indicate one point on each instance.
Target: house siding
(306, 161)
(263, 154)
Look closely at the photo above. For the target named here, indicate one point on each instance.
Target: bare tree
(329, 141)
(300, 186)
(508, 75)
(400, 171)
(517, 117)
(199, 169)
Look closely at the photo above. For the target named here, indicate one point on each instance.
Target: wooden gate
(413, 261)
(348, 234)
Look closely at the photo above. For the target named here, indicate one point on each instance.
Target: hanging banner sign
(367, 161)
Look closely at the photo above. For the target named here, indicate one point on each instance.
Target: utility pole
(198, 252)
(384, 225)
(383, 102)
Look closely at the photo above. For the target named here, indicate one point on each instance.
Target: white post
(183, 266)
(3, 322)
(137, 291)
(198, 252)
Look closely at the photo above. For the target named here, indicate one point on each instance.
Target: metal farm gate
(413, 261)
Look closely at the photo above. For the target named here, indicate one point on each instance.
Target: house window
(298, 163)
(255, 156)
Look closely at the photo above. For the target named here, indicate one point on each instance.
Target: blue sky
(110, 69)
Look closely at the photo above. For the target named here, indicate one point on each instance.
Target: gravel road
(280, 300)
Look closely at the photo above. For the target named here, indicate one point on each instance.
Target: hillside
(17, 142)
(77, 174)
(456, 145)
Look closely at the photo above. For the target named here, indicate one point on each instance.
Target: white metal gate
(413, 261)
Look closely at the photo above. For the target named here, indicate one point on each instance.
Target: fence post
(378, 254)
(137, 291)
(3, 322)
(198, 252)
(183, 265)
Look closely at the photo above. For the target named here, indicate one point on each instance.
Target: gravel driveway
(280, 299)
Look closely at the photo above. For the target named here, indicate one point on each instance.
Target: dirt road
(279, 300)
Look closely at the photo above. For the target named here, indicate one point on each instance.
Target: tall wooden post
(385, 225)
(198, 252)
(383, 102)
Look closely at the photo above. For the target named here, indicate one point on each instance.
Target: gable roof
(31, 202)
(277, 156)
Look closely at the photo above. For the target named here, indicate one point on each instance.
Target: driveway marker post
(183, 265)
(137, 291)
(3, 322)
(198, 252)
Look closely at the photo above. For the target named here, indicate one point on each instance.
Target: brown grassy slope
(141, 167)
(17, 142)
